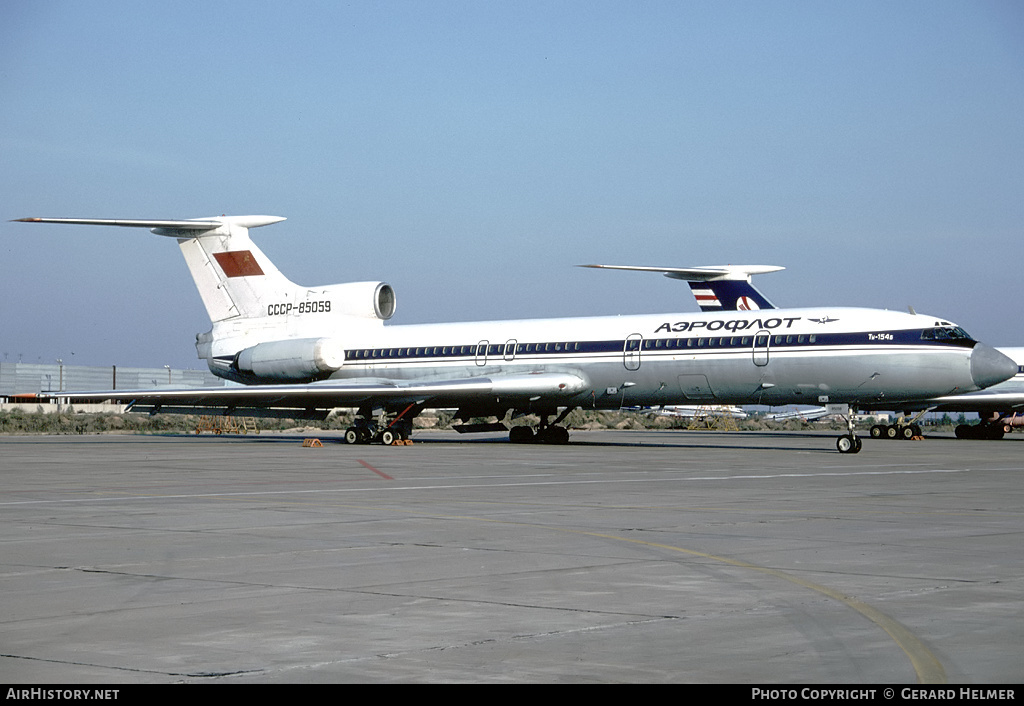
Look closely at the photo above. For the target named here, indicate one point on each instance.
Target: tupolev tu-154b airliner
(303, 351)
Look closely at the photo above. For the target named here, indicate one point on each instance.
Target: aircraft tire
(387, 437)
(351, 435)
(520, 435)
(554, 435)
(849, 444)
(906, 433)
(877, 431)
(892, 432)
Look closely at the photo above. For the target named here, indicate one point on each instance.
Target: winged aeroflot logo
(823, 320)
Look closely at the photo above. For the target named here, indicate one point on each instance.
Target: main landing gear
(370, 435)
(895, 431)
(982, 430)
(849, 443)
(904, 427)
(388, 428)
(547, 432)
(991, 427)
(548, 435)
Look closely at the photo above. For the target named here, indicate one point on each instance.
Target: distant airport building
(33, 378)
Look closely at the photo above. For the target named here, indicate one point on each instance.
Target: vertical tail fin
(728, 295)
(234, 278)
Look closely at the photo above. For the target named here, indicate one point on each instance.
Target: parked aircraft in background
(806, 415)
(691, 411)
(302, 351)
(1001, 407)
(715, 287)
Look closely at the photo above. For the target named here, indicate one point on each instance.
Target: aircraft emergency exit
(303, 351)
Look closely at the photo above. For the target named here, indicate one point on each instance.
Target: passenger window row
(513, 349)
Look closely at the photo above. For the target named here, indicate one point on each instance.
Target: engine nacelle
(298, 359)
(368, 300)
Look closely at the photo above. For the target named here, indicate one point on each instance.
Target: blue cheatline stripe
(775, 341)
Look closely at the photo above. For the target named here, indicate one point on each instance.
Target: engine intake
(368, 300)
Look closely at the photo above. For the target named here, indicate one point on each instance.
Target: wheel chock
(311, 443)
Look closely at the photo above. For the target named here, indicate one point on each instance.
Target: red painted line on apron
(385, 476)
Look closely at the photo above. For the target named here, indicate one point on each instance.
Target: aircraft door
(631, 351)
(761, 341)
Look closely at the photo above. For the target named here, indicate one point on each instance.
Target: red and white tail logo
(705, 297)
(238, 263)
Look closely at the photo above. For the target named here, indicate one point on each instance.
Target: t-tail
(265, 327)
(716, 288)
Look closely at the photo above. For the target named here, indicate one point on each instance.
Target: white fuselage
(838, 355)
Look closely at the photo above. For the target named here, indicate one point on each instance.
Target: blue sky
(471, 153)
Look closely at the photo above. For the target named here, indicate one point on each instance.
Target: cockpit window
(952, 333)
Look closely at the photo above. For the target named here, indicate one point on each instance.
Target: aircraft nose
(989, 366)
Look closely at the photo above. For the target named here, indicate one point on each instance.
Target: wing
(982, 401)
(314, 400)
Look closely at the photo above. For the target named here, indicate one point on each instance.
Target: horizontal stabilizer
(716, 287)
(192, 227)
(179, 225)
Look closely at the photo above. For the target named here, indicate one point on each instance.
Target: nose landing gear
(849, 443)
